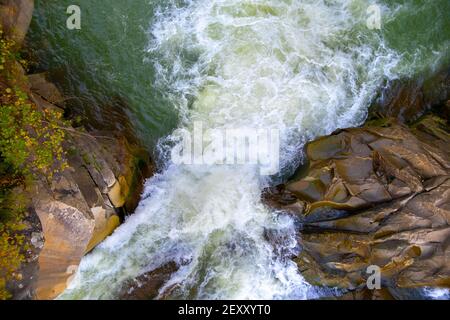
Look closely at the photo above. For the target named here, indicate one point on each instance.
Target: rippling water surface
(305, 68)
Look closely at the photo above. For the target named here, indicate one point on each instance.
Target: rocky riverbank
(371, 196)
(378, 195)
(68, 215)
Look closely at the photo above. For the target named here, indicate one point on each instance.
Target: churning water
(303, 67)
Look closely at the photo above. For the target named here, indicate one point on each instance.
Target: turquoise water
(304, 68)
(103, 63)
(108, 61)
(420, 31)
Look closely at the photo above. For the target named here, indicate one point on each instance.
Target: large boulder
(67, 227)
(86, 203)
(377, 195)
(77, 211)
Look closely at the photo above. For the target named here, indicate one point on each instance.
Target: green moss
(95, 163)
(86, 158)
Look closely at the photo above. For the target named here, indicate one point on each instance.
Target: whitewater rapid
(304, 68)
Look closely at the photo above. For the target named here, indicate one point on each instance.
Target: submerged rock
(377, 195)
(147, 286)
(408, 100)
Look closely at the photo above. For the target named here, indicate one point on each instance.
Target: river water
(301, 67)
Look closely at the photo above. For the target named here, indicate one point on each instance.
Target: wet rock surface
(147, 286)
(408, 100)
(377, 195)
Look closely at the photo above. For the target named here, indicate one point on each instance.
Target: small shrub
(30, 139)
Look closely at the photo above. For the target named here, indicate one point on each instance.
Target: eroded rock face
(79, 207)
(71, 214)
(82, 206)
(378, 195)
(66, 230)
(77, 212)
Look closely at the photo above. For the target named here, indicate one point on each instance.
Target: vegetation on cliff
(31, 145)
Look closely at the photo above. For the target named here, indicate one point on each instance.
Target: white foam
(305, 68)
(437, 293)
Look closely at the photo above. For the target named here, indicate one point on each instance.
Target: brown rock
(81, 206)
(386, 203)
(67, 230)
(45, 89)
(15, 16)
(147, 286)
(105, 224)
(408, 100)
